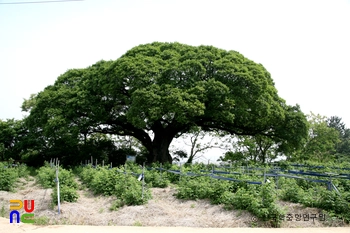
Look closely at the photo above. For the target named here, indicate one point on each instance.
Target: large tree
(156, 92)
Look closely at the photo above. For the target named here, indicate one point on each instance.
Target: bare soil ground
(163, 210)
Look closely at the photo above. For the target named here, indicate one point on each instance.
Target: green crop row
(126, 187)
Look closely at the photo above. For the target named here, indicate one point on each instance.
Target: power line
(41, 2)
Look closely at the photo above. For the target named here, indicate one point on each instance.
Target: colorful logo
(27, 217)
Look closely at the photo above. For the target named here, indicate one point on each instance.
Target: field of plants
(257, 189)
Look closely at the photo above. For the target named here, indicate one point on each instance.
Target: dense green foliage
(9, 174)
(328, 140)
(166, 89)
(157, 179)
(46, 177)
(67, 193)
(126, 187)
(13, 140)
(196, 182)
(259, 200)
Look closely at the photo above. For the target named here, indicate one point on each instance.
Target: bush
(193, 188)
(173, 178)
(154, 179)
(291, 191)
(333, 202)
(127, 188)
(68, 194)
(8, 177)
(218, 187)
(104, 181)
(47, 177)
(10, 173)
(241, 200)
(129, 191)
(22, 170)
(87, 175)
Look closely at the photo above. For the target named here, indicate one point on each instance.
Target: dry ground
(163, 210)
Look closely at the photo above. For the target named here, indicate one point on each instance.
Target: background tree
(343, 146)
(200, 141)
(252, 148)
(322, 140)
(164, 90)
(12, 134)
(179, 154)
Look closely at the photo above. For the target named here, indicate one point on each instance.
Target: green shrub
(241, 200)
(127, 188)
(129, 191)
(22, 170)
(193, 188)
(332, 201)
(68, 194)
(87, 175)
(8, 177)
(292, 193)
(47, 177)
(218, 187)
(173, 178)
(154, 179)
(104, 181)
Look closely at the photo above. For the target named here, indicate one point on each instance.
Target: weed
(137, 224)
(41, 220)
(2, 211)
(116, 205)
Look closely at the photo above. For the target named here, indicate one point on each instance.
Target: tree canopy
(156, 92)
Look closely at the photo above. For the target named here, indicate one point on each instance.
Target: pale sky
(304, 44)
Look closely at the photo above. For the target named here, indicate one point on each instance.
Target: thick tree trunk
(160, 148)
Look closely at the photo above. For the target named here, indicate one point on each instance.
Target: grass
(41, 221)
(137, 224)
(2, 211)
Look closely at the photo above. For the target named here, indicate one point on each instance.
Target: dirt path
(164, 210)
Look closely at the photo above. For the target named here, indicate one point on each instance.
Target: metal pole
(180, 173)
(161, 171)
(143, 178)
(58, 189)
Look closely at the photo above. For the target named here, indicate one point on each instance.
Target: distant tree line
(328, 140)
